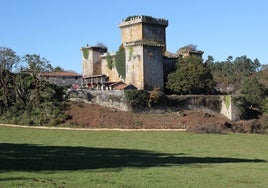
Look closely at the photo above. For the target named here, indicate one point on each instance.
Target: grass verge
(64, 158)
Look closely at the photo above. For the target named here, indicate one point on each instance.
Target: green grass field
(64, 158)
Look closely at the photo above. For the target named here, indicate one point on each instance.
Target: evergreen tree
(253, 91)
(191, 77)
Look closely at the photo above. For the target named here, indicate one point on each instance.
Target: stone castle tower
(144, 40)
(91, 60)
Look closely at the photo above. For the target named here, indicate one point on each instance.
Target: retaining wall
(116, 99)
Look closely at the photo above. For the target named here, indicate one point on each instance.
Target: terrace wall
(211, 104)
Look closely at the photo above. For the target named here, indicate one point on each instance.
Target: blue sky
(57, 29)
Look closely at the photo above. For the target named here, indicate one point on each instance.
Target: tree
(253, 91)
(24, 97)
(191, 47)
(23, 88)
(37, 65)
(8, 61)
(58, 69)
(191, 77)
(230, 73)
(209, 61)
(256, 65)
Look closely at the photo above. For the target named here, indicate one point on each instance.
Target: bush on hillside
(137, 98)
(157, 98)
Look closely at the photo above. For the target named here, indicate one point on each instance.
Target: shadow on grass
(36, 158)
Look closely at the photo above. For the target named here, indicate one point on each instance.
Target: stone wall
(130, 33)
(229, 109)
(205, 103)
(91, 60)
(143, 28)
(217, 104)
(87, 66)
(116, 99)
(111, 99)
(153, 67)
(156, 33)
(134, 66)
(112, 73)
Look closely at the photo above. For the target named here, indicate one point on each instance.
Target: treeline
(231, 73)
(24, 97)
(240, 76)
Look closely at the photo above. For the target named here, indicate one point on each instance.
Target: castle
(145, 64)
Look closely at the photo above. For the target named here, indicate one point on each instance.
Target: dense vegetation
(25, 98)
(119, 61)
(241, 75)
(231, 73)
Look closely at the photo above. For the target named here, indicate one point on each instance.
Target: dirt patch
(95, 116)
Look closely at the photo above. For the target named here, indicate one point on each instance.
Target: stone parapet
(143, 19)
(95, 48)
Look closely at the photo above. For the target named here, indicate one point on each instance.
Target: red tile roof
(60, 74)
(120, 86)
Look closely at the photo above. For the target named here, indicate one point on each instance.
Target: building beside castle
(146, 62)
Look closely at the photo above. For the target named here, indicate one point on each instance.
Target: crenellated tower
(91, 60)
(144, 40)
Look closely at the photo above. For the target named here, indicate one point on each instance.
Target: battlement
(143, 19)
(95, 48)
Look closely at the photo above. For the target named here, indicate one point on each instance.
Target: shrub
(250, 126)
(242, 105)
(210, 128)
(264, 123)
(137, 98)
(157, 98)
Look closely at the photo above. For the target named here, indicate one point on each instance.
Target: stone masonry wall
(112, 73)
(116, 99)
(134, 66)
(111, 99)
(131, 33)
(229, 109)
(153, 67)
(87, 65)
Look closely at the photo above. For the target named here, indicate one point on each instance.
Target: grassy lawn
(64, 158)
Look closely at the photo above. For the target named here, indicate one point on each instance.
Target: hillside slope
(95, 116)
